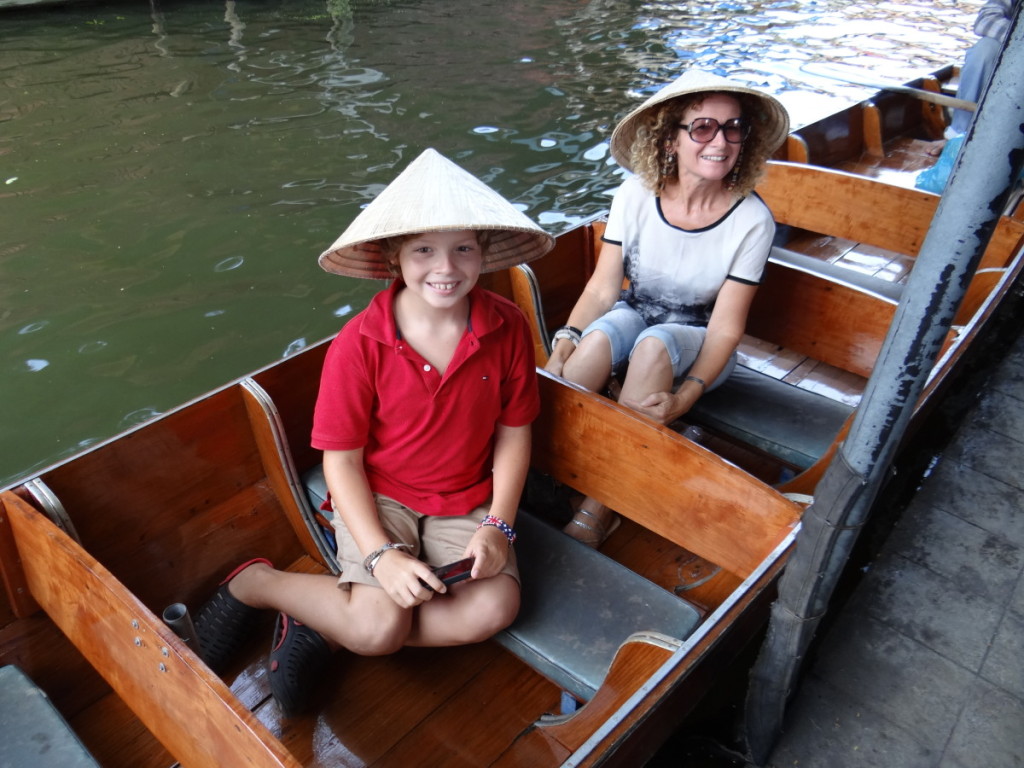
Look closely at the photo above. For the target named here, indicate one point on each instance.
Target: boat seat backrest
(861, 280)
(32, 731)
(844, 205)
(578, 605)
(527, 295)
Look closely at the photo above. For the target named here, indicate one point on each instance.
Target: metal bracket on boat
(51, 506)
(803, 499)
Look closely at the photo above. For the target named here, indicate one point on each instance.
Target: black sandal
(297, 661)
(224, 623)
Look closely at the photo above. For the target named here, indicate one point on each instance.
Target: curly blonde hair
(660, 124)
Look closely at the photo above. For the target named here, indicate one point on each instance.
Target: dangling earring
(668, 163)
(734, 175)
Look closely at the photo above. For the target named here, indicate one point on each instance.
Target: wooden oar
(854, 76)
(860, 77)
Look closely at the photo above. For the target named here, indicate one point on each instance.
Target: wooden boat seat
(794, 425)
(578, 605)
(32, 731)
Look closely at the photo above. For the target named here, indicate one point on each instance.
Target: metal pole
(979, 186)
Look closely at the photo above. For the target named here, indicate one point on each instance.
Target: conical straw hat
(772, 120)
(432, 195)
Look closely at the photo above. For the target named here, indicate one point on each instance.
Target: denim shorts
(625, 328)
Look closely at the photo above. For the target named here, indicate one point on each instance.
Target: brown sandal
(586, 527)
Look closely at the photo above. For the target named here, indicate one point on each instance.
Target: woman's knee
(649, 353)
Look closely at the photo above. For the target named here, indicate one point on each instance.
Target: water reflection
(173, 169)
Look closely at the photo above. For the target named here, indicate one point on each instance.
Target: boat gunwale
(684, 659)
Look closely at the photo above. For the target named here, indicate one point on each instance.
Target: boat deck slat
(401, 709)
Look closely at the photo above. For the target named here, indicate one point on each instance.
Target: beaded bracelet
(703, 385)
(371, 559)
(501, 525)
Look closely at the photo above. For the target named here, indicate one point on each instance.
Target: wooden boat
(890, 136)
(94, 548)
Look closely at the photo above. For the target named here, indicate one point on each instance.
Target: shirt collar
(378, 322)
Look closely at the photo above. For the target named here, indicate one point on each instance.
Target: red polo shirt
(428, 439)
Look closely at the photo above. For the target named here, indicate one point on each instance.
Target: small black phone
(453, 573)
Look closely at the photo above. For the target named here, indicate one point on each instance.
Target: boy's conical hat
(772, 120)
(433, 194)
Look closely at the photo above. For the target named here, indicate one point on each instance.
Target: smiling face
(712, 161)
(440, 268)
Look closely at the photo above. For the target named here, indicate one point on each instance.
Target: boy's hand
(490, 548)
(402, 576)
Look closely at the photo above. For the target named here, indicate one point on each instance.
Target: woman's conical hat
(433, 194)
(772, 121)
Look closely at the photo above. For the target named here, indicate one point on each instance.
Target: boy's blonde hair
(390, 246)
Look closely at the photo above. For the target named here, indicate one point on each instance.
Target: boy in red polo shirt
(424, 413)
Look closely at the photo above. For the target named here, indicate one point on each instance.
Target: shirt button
(426, 367)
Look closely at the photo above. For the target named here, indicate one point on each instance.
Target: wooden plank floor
(903, 159)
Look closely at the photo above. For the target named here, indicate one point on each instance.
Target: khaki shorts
(434, 539)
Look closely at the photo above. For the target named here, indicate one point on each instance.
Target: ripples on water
(169, 174)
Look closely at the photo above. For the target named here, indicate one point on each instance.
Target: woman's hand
(561, 351)
(666, 407)
(658, 406)
(400, 575)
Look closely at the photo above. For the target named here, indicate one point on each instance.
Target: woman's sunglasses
(704, 129)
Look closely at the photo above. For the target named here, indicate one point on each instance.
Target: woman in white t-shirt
(690, 239)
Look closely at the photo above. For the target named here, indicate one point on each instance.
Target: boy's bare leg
(471, 612)
(366, 621)
(362, 619)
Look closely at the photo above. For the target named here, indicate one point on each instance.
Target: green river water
(169, 171)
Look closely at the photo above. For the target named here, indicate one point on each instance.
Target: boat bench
(578, 606)
(791, 424)
(32, 731)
